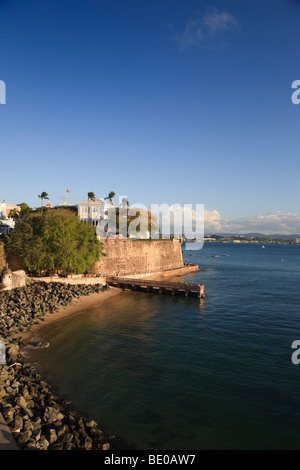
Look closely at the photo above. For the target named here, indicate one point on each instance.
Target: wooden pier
(160, 287)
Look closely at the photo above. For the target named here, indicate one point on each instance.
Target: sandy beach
(53, 420)
(78, 306)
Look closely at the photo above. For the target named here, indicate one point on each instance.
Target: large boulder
(6, 278)
(18, 278)
(52, 414)
(11, 280)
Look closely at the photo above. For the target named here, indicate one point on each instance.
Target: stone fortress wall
(124, 257)
(127, 257)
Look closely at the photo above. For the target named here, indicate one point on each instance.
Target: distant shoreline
(250, 242)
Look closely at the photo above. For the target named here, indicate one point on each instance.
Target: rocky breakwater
(38, 419)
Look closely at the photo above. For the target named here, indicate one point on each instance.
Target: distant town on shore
(254, 238)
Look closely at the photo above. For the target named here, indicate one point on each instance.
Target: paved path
(70, 280)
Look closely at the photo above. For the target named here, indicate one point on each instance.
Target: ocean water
(173, 373)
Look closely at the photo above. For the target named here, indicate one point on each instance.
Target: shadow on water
(176, 373)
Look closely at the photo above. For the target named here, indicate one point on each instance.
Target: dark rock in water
(38, 344)
(91, 424)
(67, 402)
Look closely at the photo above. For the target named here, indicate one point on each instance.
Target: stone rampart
(130, 257)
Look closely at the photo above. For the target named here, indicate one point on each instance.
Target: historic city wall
(130, 257)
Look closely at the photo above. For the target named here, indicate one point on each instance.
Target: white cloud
(218, 22)
(192, 35)
(269, 223)
(206, 28)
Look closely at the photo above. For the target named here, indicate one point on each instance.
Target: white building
(6, 208)
(100, 214)
(6, 226)
(93, 211)
(103, 216)
(6, 222)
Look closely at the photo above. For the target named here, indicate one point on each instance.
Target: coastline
(40, 420)
(77, 306)
(35, 417)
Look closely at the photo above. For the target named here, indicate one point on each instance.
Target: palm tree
(110, 196)
(25, 209)
(91, 196)
(43, 196)
(14, 214)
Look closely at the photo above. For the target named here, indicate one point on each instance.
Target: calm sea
(172, 373)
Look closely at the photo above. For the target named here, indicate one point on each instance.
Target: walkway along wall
(130, 257)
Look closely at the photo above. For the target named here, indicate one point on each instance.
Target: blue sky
(169, 101)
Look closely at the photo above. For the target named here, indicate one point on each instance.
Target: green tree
(43, 196)
(2, 256)
(25, 209)
(91, 196)
(14, 214)
(54, 240)
(110, 196)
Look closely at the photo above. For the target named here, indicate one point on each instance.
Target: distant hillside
(256, 235)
